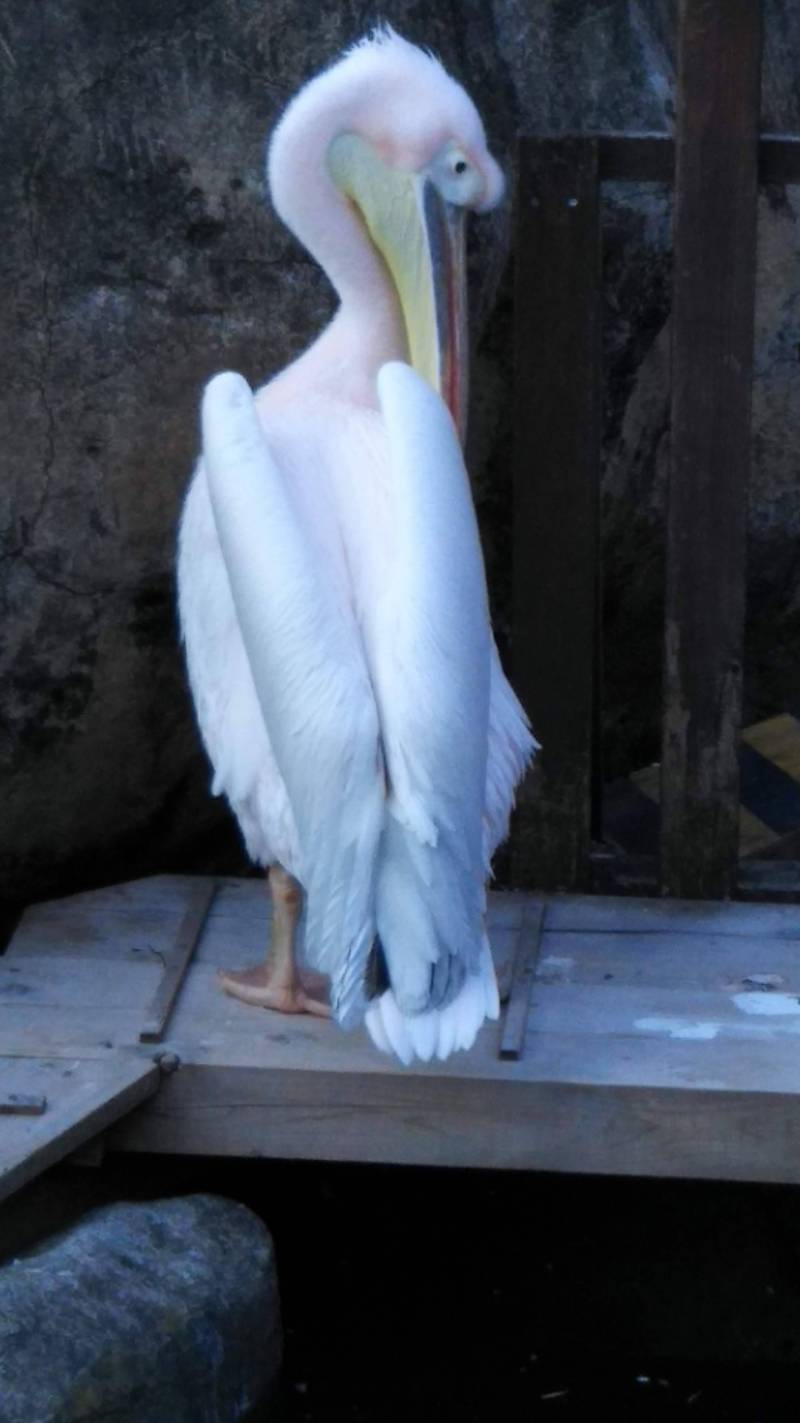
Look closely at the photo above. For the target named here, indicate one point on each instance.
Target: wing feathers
(380, 731)
(312, 685)
(429, 653)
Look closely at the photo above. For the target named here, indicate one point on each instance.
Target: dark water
(420, 1294)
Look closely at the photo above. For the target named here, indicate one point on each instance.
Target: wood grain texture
(199, 898)
(83, 1098)
(556, 432)
(670, 1131)
(712, 361)
(22, 1104)
(515, 1021)
(663, 1039)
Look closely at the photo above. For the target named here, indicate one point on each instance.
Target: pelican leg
(276, 983)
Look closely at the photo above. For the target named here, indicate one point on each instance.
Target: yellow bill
(421, 239)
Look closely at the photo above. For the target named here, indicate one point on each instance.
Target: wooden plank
(718, 1019)
(156, 893)
(556, 460)
(650, 158)
(515, 1021)
(34, 1030)
(139, 925)
(638, 916)
(137, 920)
(761, 878)
(723, 963)
(83, 1098)
(80, 985)
(22, 1104)
(671, 1131)
(198, 902)
(712, 357)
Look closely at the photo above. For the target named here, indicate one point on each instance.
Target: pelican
(331, 586)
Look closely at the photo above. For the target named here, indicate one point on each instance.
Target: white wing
(308, 668)
(429, 648)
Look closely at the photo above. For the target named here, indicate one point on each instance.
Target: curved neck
(325, 221)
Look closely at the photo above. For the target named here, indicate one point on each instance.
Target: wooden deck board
(663, 1038)
(81, 1099)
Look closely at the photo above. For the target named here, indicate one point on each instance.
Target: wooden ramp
(663, 1039)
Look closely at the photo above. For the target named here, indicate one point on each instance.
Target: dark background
(475, 1297)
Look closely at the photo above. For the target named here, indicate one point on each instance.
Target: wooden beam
(557, 402)
(646, 158)
(200, 897)
(515, 1022)
(712, 362)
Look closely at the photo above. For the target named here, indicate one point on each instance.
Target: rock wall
(138, 257)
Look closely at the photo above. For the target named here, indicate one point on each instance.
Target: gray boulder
(160, 1313)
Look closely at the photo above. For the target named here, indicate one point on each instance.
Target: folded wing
(429, 648)
(313, 688)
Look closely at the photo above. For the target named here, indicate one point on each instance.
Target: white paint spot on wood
(782, 1005)
(554, 970)
(677, 1027)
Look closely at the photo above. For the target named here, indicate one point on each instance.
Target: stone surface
(160, 1313)
(137, 257)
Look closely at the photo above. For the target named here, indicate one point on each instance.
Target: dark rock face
(158, 1313)
(137, 258)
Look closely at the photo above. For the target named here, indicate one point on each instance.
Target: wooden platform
(663, 1039)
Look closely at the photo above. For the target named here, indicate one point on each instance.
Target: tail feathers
(439, 1031)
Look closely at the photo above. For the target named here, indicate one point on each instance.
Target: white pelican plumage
(331, 585)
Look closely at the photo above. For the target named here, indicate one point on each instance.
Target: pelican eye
(457, 179)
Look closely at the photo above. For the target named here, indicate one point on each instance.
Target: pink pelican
(331, 585)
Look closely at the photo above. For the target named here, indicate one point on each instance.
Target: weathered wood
(22, 1104)
(515, 1021)
(199, 899)
(46, 980)
(724, 962)
(712, 355)
(83, 1098)
(678, 1129)
(648, 158)
(758, 878)
(556, 425)
(643, 916)
(34, 1030)
(662, 1040)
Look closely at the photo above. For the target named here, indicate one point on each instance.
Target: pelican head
(385, 139)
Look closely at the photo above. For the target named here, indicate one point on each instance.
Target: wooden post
(556, 460)
(714, 294)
